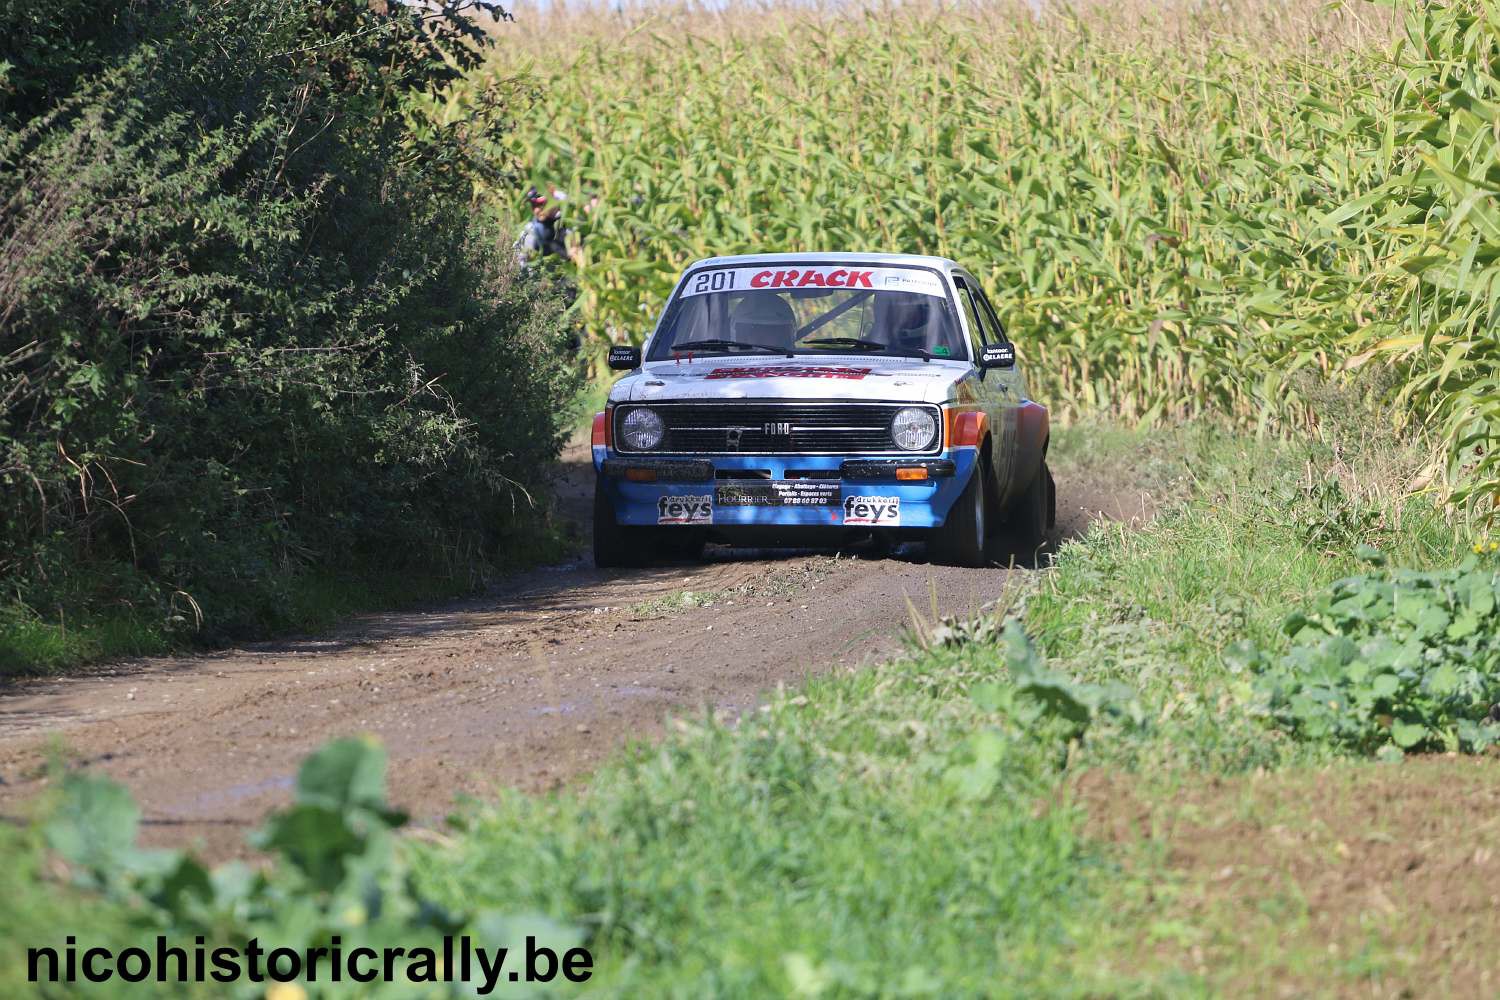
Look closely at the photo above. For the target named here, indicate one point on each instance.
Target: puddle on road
(222, 797)
(642, 691)
(561, 708)
(24, 721)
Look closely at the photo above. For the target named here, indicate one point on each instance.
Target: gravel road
(528, 686)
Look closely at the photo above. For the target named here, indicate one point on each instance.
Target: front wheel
(617, 544)
(1033, 516)
(959, 541)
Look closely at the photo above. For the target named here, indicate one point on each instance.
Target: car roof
(893, 259)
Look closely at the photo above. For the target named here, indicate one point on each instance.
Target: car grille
(815, 428)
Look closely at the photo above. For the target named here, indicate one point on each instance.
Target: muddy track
(528, 686)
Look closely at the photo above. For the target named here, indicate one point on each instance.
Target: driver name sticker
(893, 279)
(877, 512)
(791, 371)
(685, 509)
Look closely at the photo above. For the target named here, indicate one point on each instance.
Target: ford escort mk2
(815, 399)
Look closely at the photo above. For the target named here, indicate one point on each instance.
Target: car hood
(897, 380)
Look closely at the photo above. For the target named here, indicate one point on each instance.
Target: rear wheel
(617, 544)
(960, 539)
(1028, 529)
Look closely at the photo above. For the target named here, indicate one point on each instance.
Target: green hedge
(250, 319)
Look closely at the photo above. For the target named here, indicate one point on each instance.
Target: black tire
(960, 540)
(617, 544)
(1028, 528)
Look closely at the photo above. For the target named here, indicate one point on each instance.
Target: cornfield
(1179, 207)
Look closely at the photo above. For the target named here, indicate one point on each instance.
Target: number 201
(713, 281)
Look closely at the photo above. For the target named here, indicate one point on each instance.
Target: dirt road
(528, 686)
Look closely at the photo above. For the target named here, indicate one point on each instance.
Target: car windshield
(823, 309)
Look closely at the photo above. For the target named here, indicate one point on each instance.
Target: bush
(250, 321)
(1392, 661)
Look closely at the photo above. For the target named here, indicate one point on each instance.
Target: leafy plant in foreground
(1391, 661)
(343, 873)
(1330, 520)
(1039, 701)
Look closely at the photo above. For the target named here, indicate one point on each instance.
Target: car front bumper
(862, 492)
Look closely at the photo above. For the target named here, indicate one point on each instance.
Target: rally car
(810, 399)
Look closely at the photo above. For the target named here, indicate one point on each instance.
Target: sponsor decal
(796, 493)
(791, 371)
(685, 510)
(624, 357)
(874, 511)
(812, 277)
(906, 280)
(730, 279)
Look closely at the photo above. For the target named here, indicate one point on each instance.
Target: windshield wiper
(714, 343)
(860, 342)
(871, 345)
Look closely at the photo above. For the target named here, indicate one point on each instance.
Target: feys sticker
(876, 512)
(790, 371)
(685, 509)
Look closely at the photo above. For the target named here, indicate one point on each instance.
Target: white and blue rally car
(807, 399)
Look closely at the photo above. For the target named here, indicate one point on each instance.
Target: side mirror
(997, 356)
(624, 358)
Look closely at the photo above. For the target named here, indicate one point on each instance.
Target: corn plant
(1440, 216)
(1138, 205)
(1180, 208)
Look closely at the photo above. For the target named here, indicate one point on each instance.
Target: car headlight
(914, 429)
(642, 429)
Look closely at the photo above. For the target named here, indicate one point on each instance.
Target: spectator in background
(545, 233)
